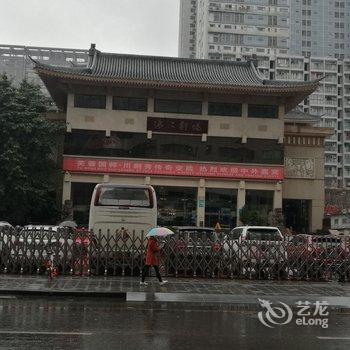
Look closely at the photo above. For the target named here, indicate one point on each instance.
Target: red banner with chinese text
(145, 167)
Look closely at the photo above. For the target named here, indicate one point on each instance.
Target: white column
(316, 215)
(150, 104)
(245, 110)
(240, 200)
(109, 102)
(70, 99)
(205, 107)
(106, 178)
(147, 180)
(67, 187)
(277, 197)
(201, 203)
(281, 111)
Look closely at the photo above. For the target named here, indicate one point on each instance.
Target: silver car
(255, 249)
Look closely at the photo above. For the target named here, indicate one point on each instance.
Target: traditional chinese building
(303, 184)
(208, 135)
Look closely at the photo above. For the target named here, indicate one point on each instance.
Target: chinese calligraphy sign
(166, 168)
(178, 126)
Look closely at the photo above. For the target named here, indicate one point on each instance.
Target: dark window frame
(98, 198)
(129, 100)
(178, 106)
(265, 111)
(86, 103)
(171, 146)
(211, 106)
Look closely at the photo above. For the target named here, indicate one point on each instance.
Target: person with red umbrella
(152, 253)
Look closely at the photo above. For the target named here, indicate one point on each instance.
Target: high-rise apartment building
(320, 28)
(331, 103)
(234, 27)
(310, 28)
(187, 28)
(15, 62)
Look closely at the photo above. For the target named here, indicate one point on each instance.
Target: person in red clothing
(152, 252)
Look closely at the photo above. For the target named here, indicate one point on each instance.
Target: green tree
(252, 216)
(28, 142)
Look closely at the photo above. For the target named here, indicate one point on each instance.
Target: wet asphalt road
(61, 323)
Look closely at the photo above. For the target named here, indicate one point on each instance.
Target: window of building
(229, 109)
(177, 106)
(176, 206)
(168, 146)
(90, 101)
(261, 201)
(220, 207)
(129, 103)
(262, 111)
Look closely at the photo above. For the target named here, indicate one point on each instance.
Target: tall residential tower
(187, 28)
(234, 27)
(320, 28)
(309, 28)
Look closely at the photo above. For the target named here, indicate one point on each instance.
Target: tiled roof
(298, 116)
(172, 72)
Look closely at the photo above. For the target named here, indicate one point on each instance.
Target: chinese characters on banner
(126, 166)
(181, 126)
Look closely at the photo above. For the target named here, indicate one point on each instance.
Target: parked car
(196, 247)
(201, 237)
(258, 250)
(315, 256)
(5, 224)
(29, 248)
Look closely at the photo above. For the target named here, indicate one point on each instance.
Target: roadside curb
(229, 302)
(120, 296)
(204, 302)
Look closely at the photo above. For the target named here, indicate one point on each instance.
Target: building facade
(304, 169)
(330, 102)
(187, 28)
(207, 135)
(320, 28)
(15, 62)
(317, 35)
(309, 28)
(236, 27)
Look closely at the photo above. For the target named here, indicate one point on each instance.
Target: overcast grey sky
(125, 26)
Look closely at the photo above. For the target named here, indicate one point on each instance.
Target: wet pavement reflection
(61, 323)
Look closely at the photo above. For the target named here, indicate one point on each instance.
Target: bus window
(131, 208)
(128, 197)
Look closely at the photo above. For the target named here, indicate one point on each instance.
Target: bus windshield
(123, 196)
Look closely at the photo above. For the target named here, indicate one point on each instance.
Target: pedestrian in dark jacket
(152, 259)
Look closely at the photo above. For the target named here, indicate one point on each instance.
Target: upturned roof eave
(306, 89)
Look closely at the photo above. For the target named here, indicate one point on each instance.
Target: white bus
(122, 209)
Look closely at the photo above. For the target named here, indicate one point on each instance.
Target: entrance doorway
(297, 214)
(177, 206)
(261, 201)
(220, 207)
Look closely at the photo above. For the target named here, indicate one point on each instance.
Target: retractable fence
(300, 257)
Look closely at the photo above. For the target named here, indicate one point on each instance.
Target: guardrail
(298, 257)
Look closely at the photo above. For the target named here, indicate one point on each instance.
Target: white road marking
(334, 338)
(44, 333)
